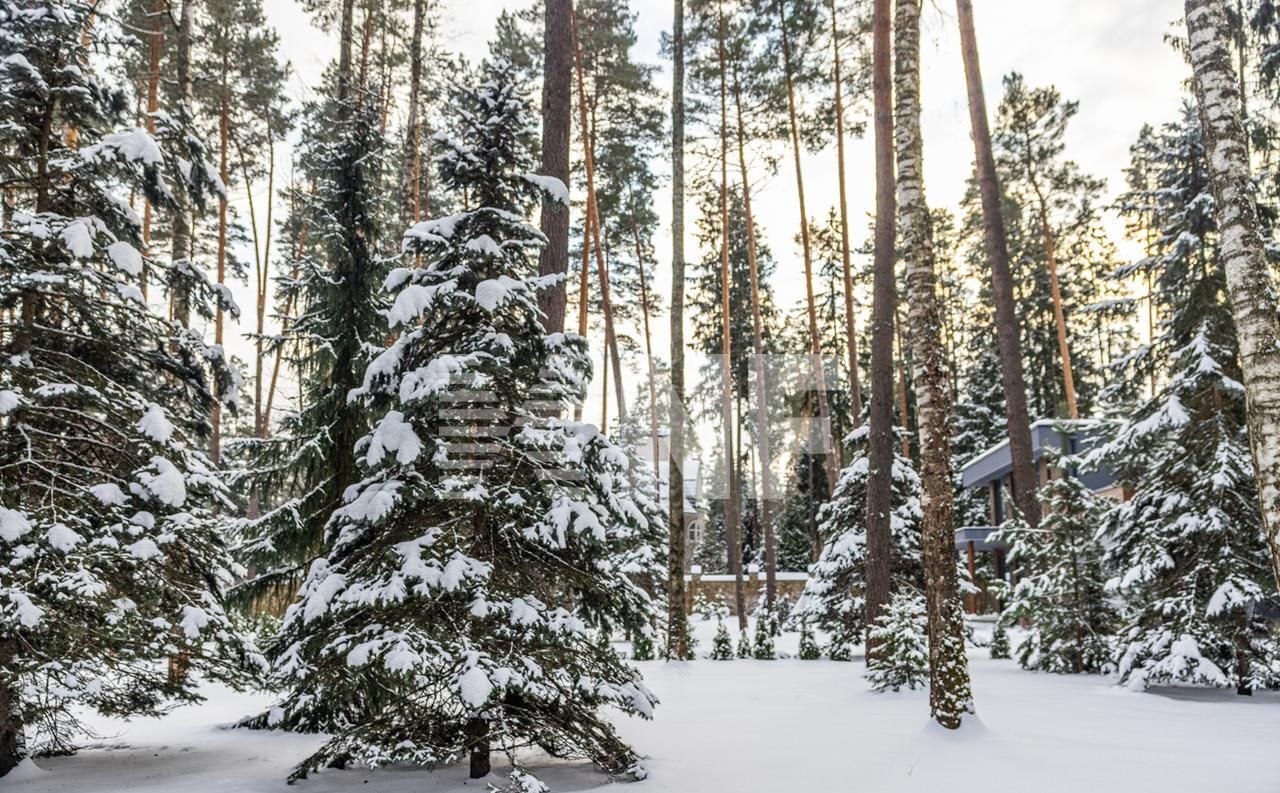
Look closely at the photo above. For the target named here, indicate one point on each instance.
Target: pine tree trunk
(883, 298)
(224, 113)
(159, 14)
(12, 749)
(830, 461)
(345, 24)
(677, 616)
(1250, 284)
(1025, 483)
(181, 252)
(648, 347)
(949, 691)
(412, 180)
(478, 743)
(557, 76)
(732, 518)
(850, 317)
(757, 341)
(1059, 316)
(584, 291)
(593, 210)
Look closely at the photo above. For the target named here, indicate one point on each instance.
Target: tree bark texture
(884, 297)
(950, 697)
(1250, 285)
(850, 314)
(557, 78)
(677, 617)
(1025, 483)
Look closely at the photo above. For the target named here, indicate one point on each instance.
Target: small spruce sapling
(722, 645)
(808, 644)
(1000, 642)
(904, 657)
(745, 650)
(764, 650)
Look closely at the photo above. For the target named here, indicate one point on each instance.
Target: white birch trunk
(950, 697)
(1250, 285)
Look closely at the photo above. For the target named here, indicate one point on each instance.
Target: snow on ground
(766, 727)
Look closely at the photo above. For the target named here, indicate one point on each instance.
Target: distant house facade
(991, 472)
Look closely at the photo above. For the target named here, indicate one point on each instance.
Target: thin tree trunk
(904, 409)
(884, 295)
(593, 209)
(478, 743)
(262, 265)
(12, 745)
(757, 341)
(1055, 291)
(677, 616)
(584, 290)
(949, 691)
(830, 462)
(1025, 483)
(604, 394)
(648, 346)
(159, 13)
(345, 24)
(412, 180)
(732, 519)
(557, 77)
(181, 251)
(215, 437)
(1250, 284)
(850, 317)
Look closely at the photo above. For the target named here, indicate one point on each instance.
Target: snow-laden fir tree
(299, 472)
(1000, 642)
(1060, 596)
(763, 647)
(809, 650)
(722, 644)
(833, 596)
(904, 654)
(112, 555)
(1187, 548)
(454, 610)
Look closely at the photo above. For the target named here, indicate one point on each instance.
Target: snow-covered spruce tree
(1000, 642)
(744, 644)
(453, 612)
(112, 557)
(904, 652)
(809, 650)
(833, 595)
(722, 644)
(300, 471)
(1060, 596)
(1187, 549)
(763, 647)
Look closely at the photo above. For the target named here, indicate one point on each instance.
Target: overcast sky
(1110, 55)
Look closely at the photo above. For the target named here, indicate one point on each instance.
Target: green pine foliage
(113, 558)
(722, 645)
(762, 646)
(1000, 642)
(808, 644)
(464, 586)
(1186, 551)
(904, 655)
(745, 650)
(302, 471)
(1060, 594)
(833, 596)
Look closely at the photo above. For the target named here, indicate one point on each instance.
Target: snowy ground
(768, 727)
